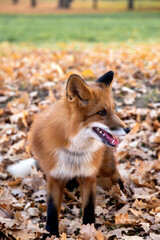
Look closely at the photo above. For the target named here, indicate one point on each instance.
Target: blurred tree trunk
(95, 4)
(33, 3)
(15, 1)
(64, 3)
(130, 4)
(60, 4)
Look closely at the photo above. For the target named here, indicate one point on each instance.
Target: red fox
(75, 138)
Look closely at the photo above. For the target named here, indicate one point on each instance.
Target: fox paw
(120, 183)
(48, 235)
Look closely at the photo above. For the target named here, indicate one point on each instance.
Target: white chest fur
(76, 160)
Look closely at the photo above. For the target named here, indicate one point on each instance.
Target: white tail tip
(22, 168)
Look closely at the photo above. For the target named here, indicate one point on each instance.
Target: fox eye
(102, 113)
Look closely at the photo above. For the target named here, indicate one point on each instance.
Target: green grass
(48, 29)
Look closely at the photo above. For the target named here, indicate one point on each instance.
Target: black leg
(89, 215)
(52, 218)
(120, 183)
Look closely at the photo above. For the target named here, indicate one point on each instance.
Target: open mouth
(106, 137)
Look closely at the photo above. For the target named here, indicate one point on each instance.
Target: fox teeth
(103, 135)
(101, 131)
(113, 141)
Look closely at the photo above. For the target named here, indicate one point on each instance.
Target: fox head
(92, 108)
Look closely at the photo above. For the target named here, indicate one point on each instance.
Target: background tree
(33, 3)
(15, 1)
(95, 4)
(64, 3)
(130, 4)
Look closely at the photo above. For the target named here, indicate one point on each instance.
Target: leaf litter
(30, 80)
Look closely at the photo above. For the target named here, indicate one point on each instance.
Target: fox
(75, 138)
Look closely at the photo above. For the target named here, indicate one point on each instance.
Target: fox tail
(22, 168)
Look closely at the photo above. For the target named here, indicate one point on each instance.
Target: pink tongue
(113, 140)
(116, 141)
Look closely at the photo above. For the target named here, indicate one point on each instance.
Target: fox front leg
(88, 189)
(55, 194)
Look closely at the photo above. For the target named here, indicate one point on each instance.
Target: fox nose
(127, 129)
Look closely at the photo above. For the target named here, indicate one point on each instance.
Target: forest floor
(33, 78)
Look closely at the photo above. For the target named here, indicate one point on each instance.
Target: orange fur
(59, 132)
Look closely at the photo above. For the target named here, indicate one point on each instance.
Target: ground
(31, 79)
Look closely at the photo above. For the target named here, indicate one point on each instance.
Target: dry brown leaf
(88, 74)
(17, 147)
(136, 213)
(145, 226)
(32, 212)
(15, 182)
(118, 232)
(139, 204)
(1, 111)
(144, 193)
(73, 226)
(122, 219)
(154, 236)
(132, 238)
(9, 223)
(100, 211)
(22, 234)
(63, 236)
(115, 192)
(88, 232)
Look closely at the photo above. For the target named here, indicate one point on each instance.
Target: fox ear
(106, 78)
(76, 87)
